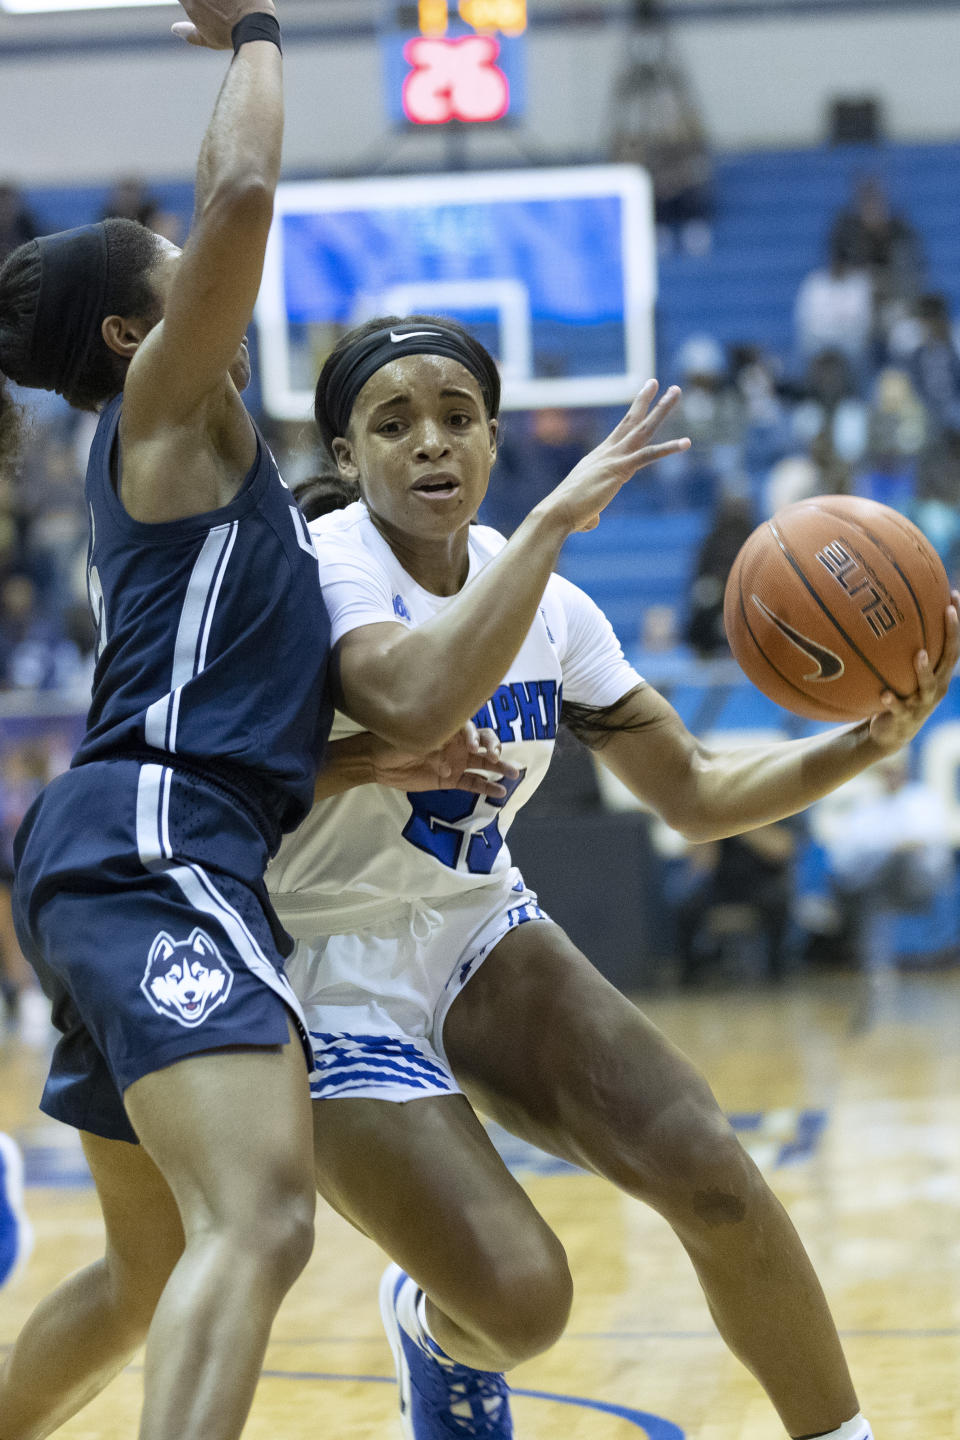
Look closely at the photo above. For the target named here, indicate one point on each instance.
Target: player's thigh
(230, 1131)
(543, 1043)
(423, 1180)
(144, 1233)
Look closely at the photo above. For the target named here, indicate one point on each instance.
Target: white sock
(422, 1317)
(408, 1308)
(855, 1429)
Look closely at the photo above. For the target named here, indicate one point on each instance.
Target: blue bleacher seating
(774, 211)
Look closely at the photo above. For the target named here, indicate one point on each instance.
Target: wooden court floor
(850, 1101)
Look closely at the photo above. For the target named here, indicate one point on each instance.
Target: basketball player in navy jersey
(430, 975)
(139, 886)
(139, 891)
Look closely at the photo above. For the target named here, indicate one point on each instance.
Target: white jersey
(360, 855)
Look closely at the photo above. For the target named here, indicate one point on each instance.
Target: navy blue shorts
(139, 901)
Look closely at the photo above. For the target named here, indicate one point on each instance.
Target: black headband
(347, 374)
(70, 308)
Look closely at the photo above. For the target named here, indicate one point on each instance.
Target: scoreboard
(454, 61)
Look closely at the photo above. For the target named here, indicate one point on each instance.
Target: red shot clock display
(446, 61)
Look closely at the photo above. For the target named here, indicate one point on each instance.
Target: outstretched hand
(470, 761)
(899, 720)
(592, 484)
(210, 23)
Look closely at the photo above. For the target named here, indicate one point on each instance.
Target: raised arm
(214, 284)
(416, 687)
(708, 793)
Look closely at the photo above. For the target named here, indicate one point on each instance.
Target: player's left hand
(211, 22)
(896, 724)
(470, 760)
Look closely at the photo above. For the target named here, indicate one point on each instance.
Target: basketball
(828, 603)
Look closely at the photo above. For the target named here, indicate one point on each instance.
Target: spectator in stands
(130, 199)
(897, 428)
(732, 524)
(869, 236)
(52, 510)
(887, 842)
(743, 885)
(17, 224)
(936, 505)
(935, 363)
(535, 451)
(34, 652)
(794, 477)
(754, 375)
(756, 379)
(714, 415)
(833, 311)
(896, 433)
(830, 419)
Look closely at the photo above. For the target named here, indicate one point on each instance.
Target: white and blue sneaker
(16, 1236)
(439, 1398)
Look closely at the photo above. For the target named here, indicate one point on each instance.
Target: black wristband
(259, 26)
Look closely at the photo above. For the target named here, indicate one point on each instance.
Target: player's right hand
(470, 760)
(591, 485)
(896, 724)
(211, 22)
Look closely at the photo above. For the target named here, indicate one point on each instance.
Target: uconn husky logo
(186, 979)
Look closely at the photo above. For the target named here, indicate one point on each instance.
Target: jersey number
(438, 825)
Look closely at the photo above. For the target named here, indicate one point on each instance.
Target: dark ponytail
(595, 725)
(326, 491)
(132, 252)
(19, 291)
(11, 431)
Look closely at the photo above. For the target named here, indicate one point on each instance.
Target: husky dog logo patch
(186, 979)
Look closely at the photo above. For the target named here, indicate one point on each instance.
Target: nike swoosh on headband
(409, 334)
(829, 666)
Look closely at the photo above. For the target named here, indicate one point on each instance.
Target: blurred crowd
(46, 636)
(867, 402)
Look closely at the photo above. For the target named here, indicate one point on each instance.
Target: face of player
(420, 446)
(162, 277)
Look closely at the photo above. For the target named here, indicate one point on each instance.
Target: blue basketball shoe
(16, 1236)
(438, 1397)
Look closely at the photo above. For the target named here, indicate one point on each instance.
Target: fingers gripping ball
(828, 603)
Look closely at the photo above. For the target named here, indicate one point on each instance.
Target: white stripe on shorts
(156, 855)
(384, 1067)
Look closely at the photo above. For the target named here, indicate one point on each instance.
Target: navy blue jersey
(213, 638)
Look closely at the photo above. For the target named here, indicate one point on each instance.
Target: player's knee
(528, 1304)
(285, 1236)
(269, 1220)
(704, 1178)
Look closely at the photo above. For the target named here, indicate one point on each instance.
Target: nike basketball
(828, 603)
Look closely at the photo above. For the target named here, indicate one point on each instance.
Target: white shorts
(376, 1000)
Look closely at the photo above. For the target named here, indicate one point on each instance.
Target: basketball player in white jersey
(429, 973)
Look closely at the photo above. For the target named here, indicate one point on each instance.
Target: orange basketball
(828, 603)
